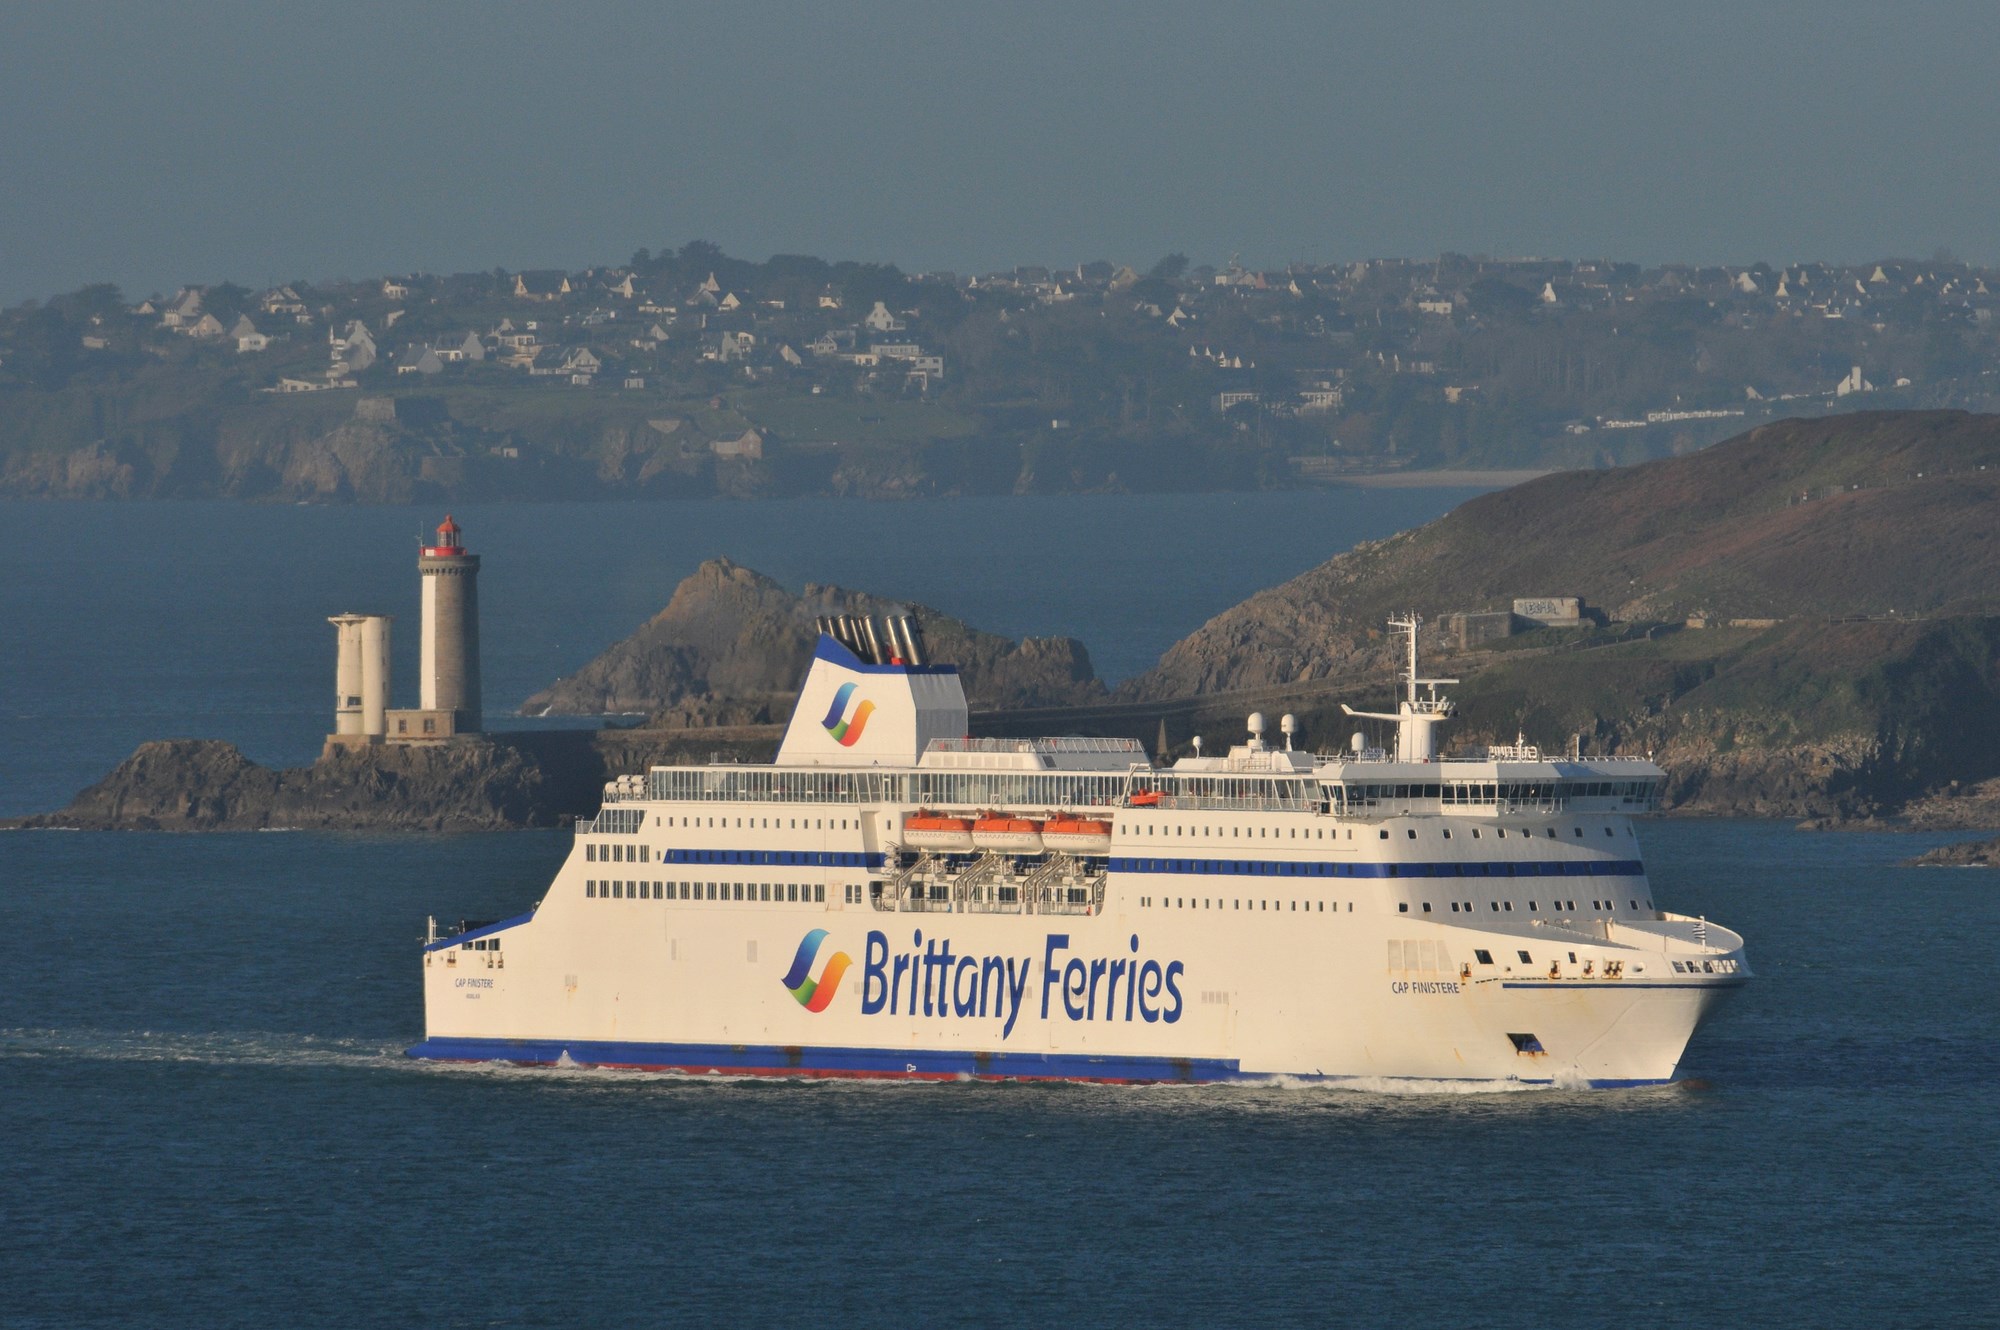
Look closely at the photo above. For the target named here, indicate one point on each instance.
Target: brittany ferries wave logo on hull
(847, 732)
(815, 994)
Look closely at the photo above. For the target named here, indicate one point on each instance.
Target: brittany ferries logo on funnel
(814, 994)
(847, 732)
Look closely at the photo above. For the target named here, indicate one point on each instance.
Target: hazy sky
(153, 144)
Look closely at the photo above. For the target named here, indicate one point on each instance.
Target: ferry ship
(889, 897)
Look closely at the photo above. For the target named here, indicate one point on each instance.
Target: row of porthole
(1507, 907)
(1527, 833)
(1218, 903)
(783, 893)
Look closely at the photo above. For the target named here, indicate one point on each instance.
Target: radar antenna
(1420, 714)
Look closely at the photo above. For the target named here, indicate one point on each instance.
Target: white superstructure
(889, 897)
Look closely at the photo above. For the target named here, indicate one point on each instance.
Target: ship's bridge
(1491, 787)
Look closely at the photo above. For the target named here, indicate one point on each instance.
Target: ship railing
(999, 898)
(1065, 884)
(1247, 803)
(1062, 744)
(987, 868)
(1087, 899)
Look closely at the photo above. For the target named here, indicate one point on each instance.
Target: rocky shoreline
(537, 778)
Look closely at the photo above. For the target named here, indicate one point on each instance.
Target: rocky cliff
(732, 645)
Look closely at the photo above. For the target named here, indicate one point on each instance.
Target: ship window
(1526, 959)
(1402, 907)
(1572, 958)
(1509, 905)
(1633, 904)
(1385, 833)
(1607, 831)
(1579, 831)
(1412, 833)
(1533, 906)
(1427, 907)
(1502, 833)
(819, 894)
(1475, 833)
(590, 889)
(1493, 905)
(1483, 956)
(1447, 833)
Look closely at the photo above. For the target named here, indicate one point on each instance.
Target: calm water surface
(207, 1119)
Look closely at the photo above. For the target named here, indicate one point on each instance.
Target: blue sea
(208, 1121)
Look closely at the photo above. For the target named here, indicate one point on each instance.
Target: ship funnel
(899, 643)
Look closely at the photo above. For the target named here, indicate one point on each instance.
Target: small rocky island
(1964, 854)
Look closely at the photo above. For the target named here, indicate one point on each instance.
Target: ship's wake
(217, 1048)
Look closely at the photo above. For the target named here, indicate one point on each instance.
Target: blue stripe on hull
(921, 1064)
(1323, 868)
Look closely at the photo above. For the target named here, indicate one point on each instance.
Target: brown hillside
(732, 645)
(1872, 514)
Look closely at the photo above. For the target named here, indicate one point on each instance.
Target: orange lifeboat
(1145, 799)
(1077, 835)
(930, 831)
(1010, 835)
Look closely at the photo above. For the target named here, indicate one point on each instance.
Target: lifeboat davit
(1077, 835)
(929, 831)
(1010, 835)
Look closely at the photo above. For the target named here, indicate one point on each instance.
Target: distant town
(690, 372)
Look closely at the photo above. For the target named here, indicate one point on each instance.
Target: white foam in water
(242, 1048)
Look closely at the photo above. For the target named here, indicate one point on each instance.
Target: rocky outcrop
(208, 785)
(732, 645)
(1965, 854)
(532, 779)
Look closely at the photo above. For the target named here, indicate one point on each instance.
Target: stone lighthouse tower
(449, 671)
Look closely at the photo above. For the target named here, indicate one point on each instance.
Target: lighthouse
(361, 679)
(448, 673)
